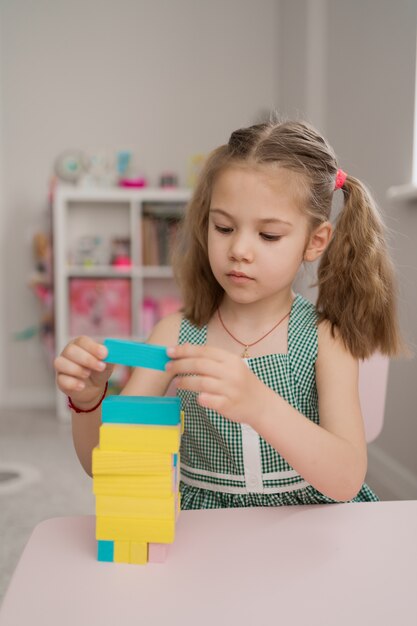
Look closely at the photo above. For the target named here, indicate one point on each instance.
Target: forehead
(268, 187)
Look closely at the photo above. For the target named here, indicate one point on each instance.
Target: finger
(70, 368)
(194, 365)
(79, 355)
(93, 347)
(68, 384)
(189, 350)
(98, 377)
(198, 384)
(211, 401)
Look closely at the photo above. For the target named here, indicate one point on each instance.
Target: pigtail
(357, 290)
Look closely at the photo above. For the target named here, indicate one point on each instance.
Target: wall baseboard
(388, 477)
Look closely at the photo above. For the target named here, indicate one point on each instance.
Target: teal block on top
(136, 354)
(161, 411)
(105, 551)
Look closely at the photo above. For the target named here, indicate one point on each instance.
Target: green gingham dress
(225, 464)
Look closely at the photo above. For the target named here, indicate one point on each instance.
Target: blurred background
(165, 81)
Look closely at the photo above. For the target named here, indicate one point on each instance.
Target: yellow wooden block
(122, 551)
(126, 463)
(138, 552)
(139, 508)
(131, 529)
(182, 422)
(139, 438)
(142, 486)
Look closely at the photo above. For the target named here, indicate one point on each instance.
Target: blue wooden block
(161, 411)
(175, 459)
(134, 354)
(105, 551)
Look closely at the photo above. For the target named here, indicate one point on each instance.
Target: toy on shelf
(100, 307)
(41, 284)
(135, 183)
(120, 252)
(71, 165)
(89, 251)
(195, 166)
(168, 180)
(42, 251)
(123, 159)
(95, 170)
(101, 171)
(136, 467)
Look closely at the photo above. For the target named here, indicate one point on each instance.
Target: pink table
(344, 564)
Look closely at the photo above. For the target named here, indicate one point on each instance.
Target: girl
(268, 382)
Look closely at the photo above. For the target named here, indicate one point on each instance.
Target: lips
(238, 274)
(239, 278)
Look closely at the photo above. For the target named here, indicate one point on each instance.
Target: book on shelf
(158, 238)
(100, 307)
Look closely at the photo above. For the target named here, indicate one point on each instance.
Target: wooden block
(142, 486)
(182, 422)
(116, 463)
(122, 551)
(137, 508)
(158, 552)
(138, 552)
(134, 354)
(175, 480)
(139, 438)
(162, 411)
(105, 551)
(131, 529)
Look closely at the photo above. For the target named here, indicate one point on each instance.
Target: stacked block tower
(136, 466)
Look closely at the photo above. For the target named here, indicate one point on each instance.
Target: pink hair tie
(340, 179)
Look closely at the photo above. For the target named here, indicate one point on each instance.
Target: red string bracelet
(77, 410)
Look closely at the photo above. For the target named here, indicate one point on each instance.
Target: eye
(268, 237)
(223, 229)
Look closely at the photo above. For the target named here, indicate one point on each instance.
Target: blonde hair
(356, 283)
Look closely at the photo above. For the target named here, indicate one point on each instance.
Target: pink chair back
(373, 379)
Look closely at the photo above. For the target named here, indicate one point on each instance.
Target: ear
(318, 241)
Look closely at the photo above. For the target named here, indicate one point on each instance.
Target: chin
(239, 297)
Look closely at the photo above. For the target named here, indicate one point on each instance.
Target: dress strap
(303, 342)
(189, 333)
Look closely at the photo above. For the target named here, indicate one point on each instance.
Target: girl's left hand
(223, 381)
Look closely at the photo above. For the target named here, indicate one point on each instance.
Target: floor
(39, 448)
(40, 478)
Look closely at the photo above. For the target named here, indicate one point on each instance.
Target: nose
(240, 248)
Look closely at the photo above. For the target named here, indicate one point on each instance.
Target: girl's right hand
(81, 372)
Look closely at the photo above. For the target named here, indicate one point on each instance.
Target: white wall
(2, 221)
(367, 77)
(370, 118)
(164, 79)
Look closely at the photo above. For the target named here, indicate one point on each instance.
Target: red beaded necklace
(245, 353)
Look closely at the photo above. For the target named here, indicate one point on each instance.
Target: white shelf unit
(106, 212)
